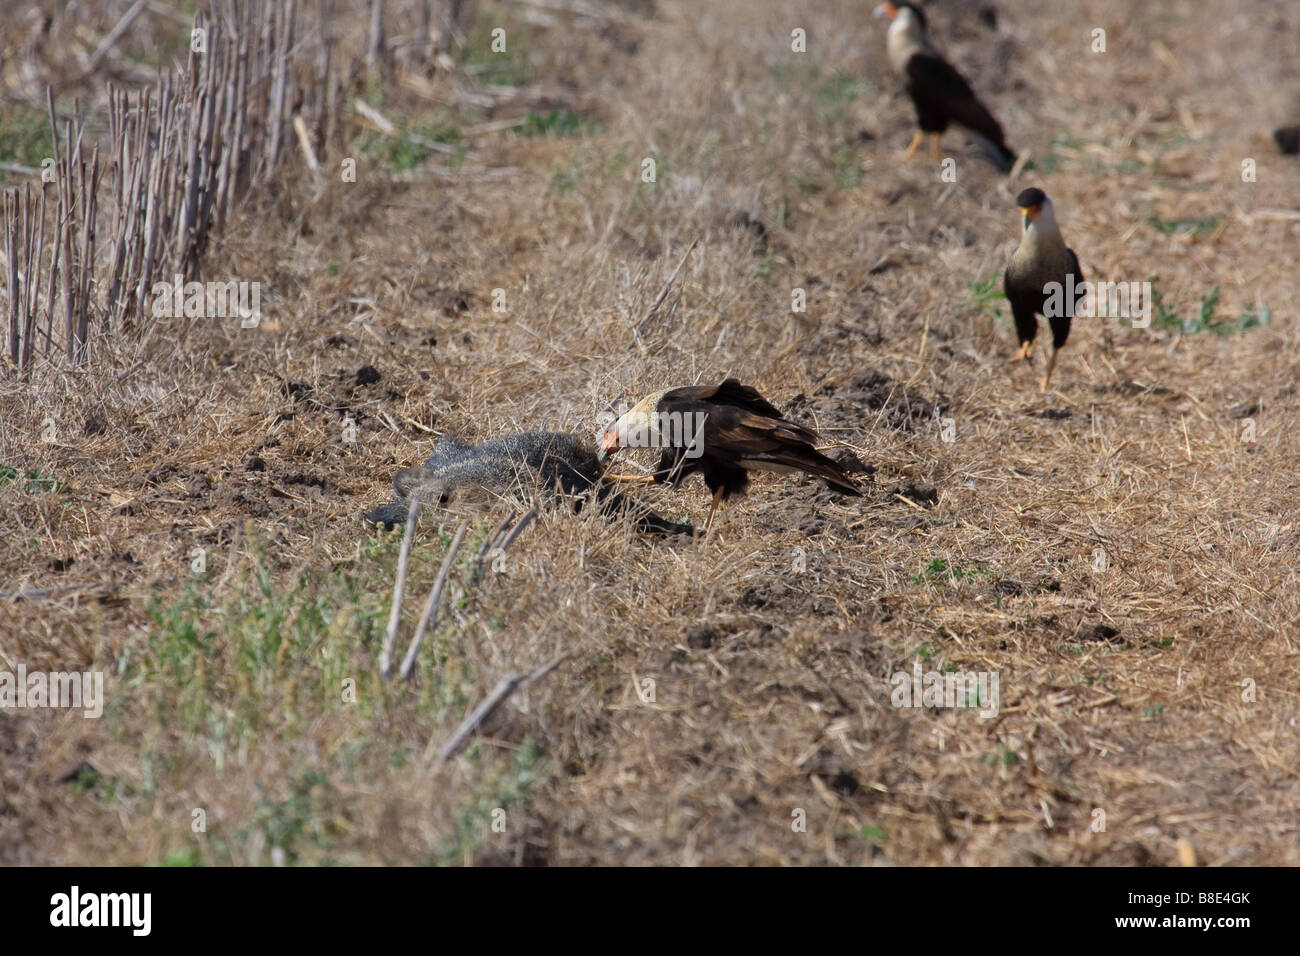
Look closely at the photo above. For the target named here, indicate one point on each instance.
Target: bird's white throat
(1042, 232)
(903, 38)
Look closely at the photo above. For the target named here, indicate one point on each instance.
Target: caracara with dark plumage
(940, 94)
(722, 432)
(1041, 260)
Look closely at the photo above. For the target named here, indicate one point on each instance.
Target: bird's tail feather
(811, 461)
(997, 151)
(835, 478)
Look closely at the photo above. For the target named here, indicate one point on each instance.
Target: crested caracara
(723, 432)
(1041, 260)
(940, 94)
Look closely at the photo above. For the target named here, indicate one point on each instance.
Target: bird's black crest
(1031, 197)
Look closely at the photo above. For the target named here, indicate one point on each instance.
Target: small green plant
(807, 180)
(841, 87)
(872, 834)
(1004, 755)
(1200, 228)
(86, 780)
(939, 570)
(408, 148)
(1206, 318)
(1165, 317)
(564, 180)
(615, 165)
(1251, 318)
(558, 122)
(189, 856)
(1209, 305)
(931, 571)
(24, 137)
(502, 791)
(399, 154)
(984, 293)
(300, 818)
(838, 94)
(35, 483)
(508, 67)
(848, 171)
(1051, 160)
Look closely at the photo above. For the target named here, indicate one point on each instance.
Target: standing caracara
(1041, 259)
(940, 94)
(722, 432)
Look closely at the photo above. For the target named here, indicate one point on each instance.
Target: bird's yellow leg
(1051, 364)
(717, 502)
(916, 141)
(1024, 351)
(637, 479)
(934, 148)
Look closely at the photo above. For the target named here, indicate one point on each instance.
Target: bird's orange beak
(1029, 214)
(608, 445)
(886, 11)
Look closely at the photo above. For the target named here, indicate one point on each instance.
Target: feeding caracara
(723, 432)
(940, 94)
(1041, 259)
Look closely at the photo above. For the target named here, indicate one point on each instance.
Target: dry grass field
(1121, 552)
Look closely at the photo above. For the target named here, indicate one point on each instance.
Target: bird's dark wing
(743, 430)
(1061, 324)
(941, 93)
(930, 74)
(740, 437)
(730, 392)
(1025, 300)
(749, 435)
(1074, 267)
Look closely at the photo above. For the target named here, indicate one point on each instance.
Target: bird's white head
(906, 32)
(637, 426)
